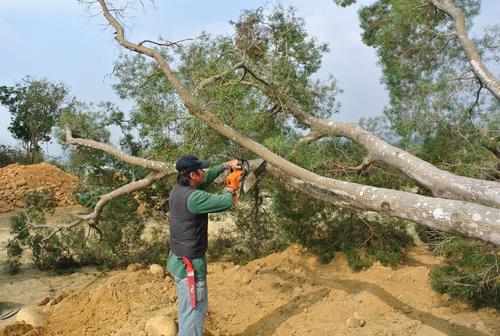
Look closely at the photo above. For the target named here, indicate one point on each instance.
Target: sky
(60, 41)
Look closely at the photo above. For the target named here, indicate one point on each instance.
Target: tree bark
(440, 182)
(448, 215)
(478, 67)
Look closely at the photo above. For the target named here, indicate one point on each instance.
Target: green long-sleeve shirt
(201, 202)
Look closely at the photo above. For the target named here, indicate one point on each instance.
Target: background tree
(435, 98)
(35, 106)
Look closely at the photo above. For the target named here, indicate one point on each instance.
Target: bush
(471, 271)
(325, 230)
(115, 241)
(9, 155)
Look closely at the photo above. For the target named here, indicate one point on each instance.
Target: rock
(135, 267)
(18, 328)
(44, 301)
(406, 309)
(160, 325)
(480, 326)
(4, 206)
(57, 299)
(32, 316)
(353, 322)
(156, 270)
(20, 183)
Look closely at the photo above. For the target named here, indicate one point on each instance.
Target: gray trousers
(191, 320)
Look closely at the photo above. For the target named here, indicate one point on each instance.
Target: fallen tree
(462, 205)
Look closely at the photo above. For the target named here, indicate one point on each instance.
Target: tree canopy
(35, 105)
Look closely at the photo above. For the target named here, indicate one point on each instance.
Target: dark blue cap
(190, 163)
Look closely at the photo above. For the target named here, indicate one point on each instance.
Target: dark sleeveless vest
(188, 232)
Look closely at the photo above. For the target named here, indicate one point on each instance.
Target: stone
(157, 270)
(480, 326)
(406, 309)
(161, 325)
(57, 299)
(18, 328)
(20, 183)
(44, 301)
(32, 316)
(135, 267)
(353, 322)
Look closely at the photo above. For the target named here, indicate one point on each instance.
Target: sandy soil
(287, 293)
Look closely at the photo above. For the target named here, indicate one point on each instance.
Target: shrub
(471, 271)
(115, 241)
(325, 230)
(9, 155)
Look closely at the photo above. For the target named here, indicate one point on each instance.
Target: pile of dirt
(17, 179)
(287, 293)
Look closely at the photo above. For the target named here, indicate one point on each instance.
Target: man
(189, 208)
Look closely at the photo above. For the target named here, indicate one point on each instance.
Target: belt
(191, 280)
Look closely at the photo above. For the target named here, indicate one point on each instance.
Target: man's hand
(233, 164)
(231, 190)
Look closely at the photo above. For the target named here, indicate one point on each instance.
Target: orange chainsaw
(236, 178)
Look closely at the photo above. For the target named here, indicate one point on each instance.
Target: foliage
(35, 106)
(471, 271)
(10, 154)
(273, 42)
(256, 231)
(325, 230)
(116, 241)
(436, 104)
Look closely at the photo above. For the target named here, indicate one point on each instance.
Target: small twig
(176, 43)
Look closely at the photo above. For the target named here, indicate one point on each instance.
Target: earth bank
(287, 293)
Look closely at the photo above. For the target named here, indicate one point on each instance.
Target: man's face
(197, 177)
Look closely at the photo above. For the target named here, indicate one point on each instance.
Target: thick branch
(475, 60)
(126, 189)
(440, 182)
(450, 216)
(105, 199)
(133, 160)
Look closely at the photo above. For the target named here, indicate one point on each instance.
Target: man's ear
(192, 175)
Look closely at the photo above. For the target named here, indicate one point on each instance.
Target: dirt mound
(287, 293)
(17, 179)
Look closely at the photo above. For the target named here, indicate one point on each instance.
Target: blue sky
(59, 40)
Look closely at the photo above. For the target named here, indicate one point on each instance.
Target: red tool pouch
(191, 281)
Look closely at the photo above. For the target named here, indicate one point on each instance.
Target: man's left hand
(233, 164)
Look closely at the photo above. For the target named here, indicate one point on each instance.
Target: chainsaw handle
(244, 165)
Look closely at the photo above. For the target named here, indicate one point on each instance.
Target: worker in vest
(189, 209)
